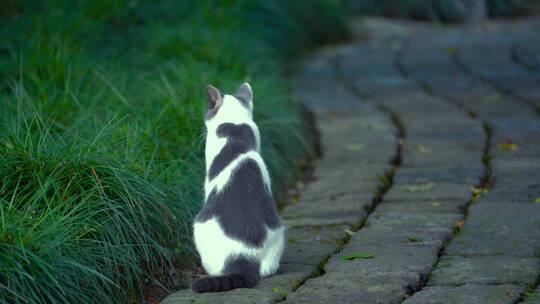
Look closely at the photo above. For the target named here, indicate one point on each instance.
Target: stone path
(429, 175)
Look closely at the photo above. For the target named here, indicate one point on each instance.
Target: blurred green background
(101, 129)
(444, 10)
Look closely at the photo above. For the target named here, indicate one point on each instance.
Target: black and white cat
(238, 233)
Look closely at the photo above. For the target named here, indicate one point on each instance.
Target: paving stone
(451, 174)
(499, 228)
(486, 270)
(383, 279)
(356, 171)
(429, 191)
(430, 152)
(340, 209)
(413, 237)
(515, 170)
(427, 206)
(499, 70)
(348, 288)
(393, 252)
(309, 244)
(413, 220)
(361, 152)
(323, 97)
(527, 192)
(237, 296)
(322, 189)
(526, 54)
(364, 117)
(466, 294)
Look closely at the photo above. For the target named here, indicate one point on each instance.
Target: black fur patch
(239, 272)
(240, 139)
(244, 207)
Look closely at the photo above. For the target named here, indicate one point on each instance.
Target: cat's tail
(239, 272)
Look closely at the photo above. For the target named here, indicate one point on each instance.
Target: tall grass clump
(101, 131)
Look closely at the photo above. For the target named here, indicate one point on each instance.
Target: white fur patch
(214, 247)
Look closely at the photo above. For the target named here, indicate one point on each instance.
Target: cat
(238, 232)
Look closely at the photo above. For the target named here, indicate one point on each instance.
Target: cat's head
(236, 108)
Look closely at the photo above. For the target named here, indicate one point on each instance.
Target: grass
(101, 131)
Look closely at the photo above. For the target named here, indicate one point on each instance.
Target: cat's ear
(245, 94)
(215, 98)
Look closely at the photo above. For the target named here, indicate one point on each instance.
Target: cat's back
(244, 207)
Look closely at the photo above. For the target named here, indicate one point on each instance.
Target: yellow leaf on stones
(294, 198)
(420, 188)
(355, 147)
(452, 50)
(477, 191)
(537, 200)
(437, 204)
(507, 146)
(458, 225)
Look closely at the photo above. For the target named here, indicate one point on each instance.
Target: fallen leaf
(452, 50)
(280, 291)
(357, 255)
(420, 188)
(355, 147)
(507, 146)
(458, 225)
(350, 232)
(437, 204)
(414, 239)
(537, 200)
(477, 191)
